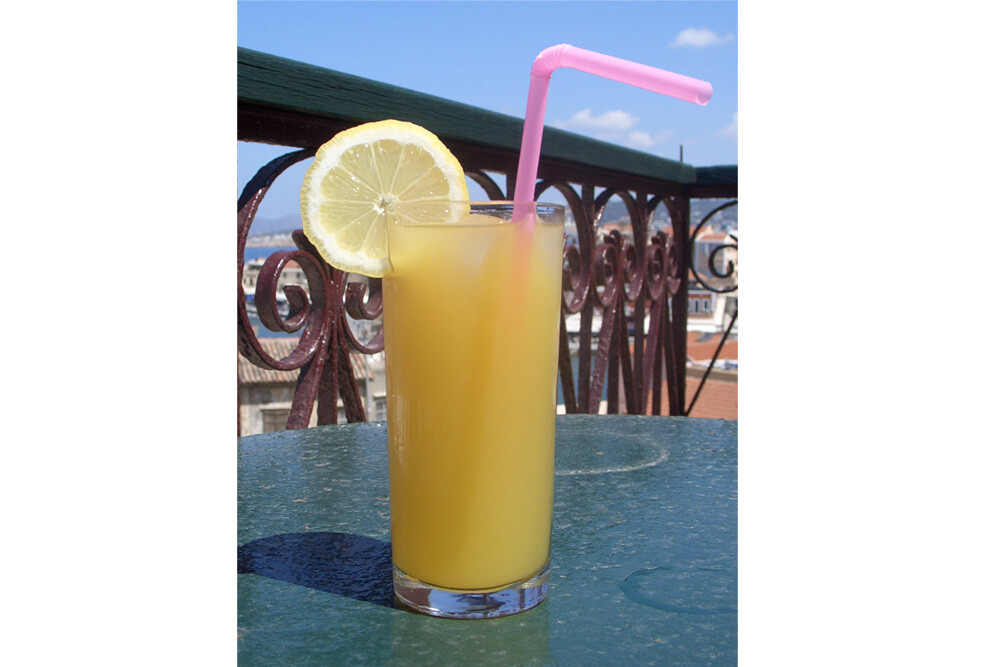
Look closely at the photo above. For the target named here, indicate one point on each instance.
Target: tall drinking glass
(471, 322)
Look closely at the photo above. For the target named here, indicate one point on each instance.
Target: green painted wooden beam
(296, 104)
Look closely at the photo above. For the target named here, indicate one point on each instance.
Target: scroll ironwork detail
(632, 280)
(318, 315)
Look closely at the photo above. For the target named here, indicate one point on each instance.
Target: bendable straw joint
(564, 55)
(549, 60)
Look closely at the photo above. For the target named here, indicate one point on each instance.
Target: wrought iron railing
(637, 287)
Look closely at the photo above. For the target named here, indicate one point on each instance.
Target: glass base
(451, 603)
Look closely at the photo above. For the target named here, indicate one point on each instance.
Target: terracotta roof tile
(718, 399)
(702, 350)
(279, 348)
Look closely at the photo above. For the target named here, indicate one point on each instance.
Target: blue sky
(480, 53)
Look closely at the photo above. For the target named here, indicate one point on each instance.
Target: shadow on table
(350, 565)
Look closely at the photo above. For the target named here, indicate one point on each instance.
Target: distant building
(292, 274)
(708, 310)
(265, 395)
(721, 242)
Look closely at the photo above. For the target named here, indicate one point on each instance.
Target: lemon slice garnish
(367, 175)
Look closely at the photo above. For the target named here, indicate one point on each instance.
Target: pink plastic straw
(563, 55)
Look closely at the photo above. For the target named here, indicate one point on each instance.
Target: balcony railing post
(677, 341)
(587, 234)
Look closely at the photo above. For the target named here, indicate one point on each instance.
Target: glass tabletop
(643, 553)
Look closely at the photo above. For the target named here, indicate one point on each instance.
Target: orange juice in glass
(471, 322)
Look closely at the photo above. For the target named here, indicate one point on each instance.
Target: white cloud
(640, 139)
(731, 130)
(616, 126)
(699, 38)
(610, 121)
(644, 140)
